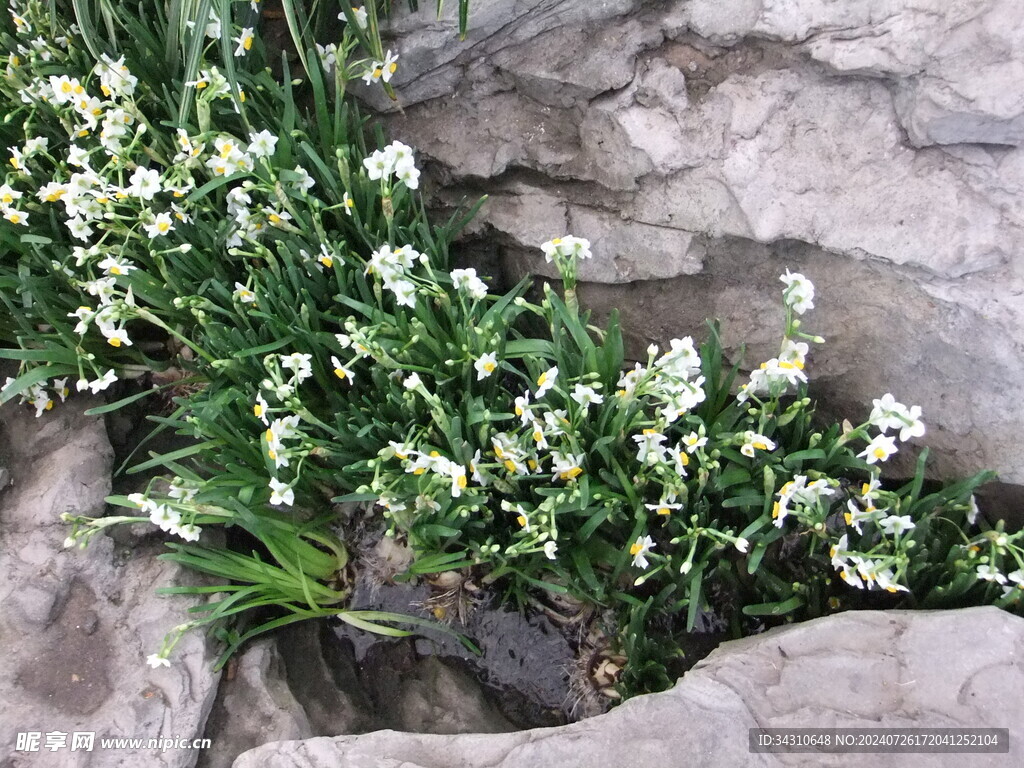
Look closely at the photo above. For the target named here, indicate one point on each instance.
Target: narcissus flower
(485, 365)
(144, 183)
(281, 493)
(566, 466)
(155, 660)
(753, 441)
(585, 395)
(649, 447)
(162, 225)
(262, 144)
(341, 371)
(880, 448)
(693, 441)
(799, 292)
(640, 549)
(896, 525)
(466, 280)
(546, 381)
(565, 247)
(244, 40)
(243, 294)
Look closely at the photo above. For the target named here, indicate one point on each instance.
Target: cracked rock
(866, 669)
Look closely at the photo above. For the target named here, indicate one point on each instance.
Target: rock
(872, 145)
(254, 705)
(434, 697)
(883, 670)
(956, 65)
(86, 620)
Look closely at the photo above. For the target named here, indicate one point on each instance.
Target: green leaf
(774, 609)
(181, 453)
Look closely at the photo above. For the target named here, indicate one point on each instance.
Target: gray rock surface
(704, 147)
(76, 626)
(254, 705)
(853, 670)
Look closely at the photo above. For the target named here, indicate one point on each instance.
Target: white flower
(405, 292)
(742, 544)
(164, 516)
(259, 409)
(566, 466)
(305, 182)
(341, 371)
(649, 447)
(412, 381)
(466, 280)
(990, 573)
(328, 55)
(162, 225)
(640, 549)
(665, 506)
(79, 228)
(388, 66)
(144, 183)
(409, 174)
(299, 362)
(243, 294)
(282, 493)
(189, 531)
(879, 449)
(586, 395)
(1017, 583)
(101, 383)
(799, 292)
(566, 247)
(15, 216)
(262, 144)
(546, 381)
(359, 14)
(752, 441)
(913, 427)
(155, 660)
(485, 365)
(972, 510)
(894, 525)
(693, 441)
(379, 164)
(550, 550)
(244, 41)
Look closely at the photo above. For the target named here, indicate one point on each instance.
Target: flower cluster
(394, 160)
(168, 516)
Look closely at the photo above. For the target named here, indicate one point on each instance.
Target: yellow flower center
(114, 341)
(635, 549)
(341, 375)
(664, 511)
(510, 465)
